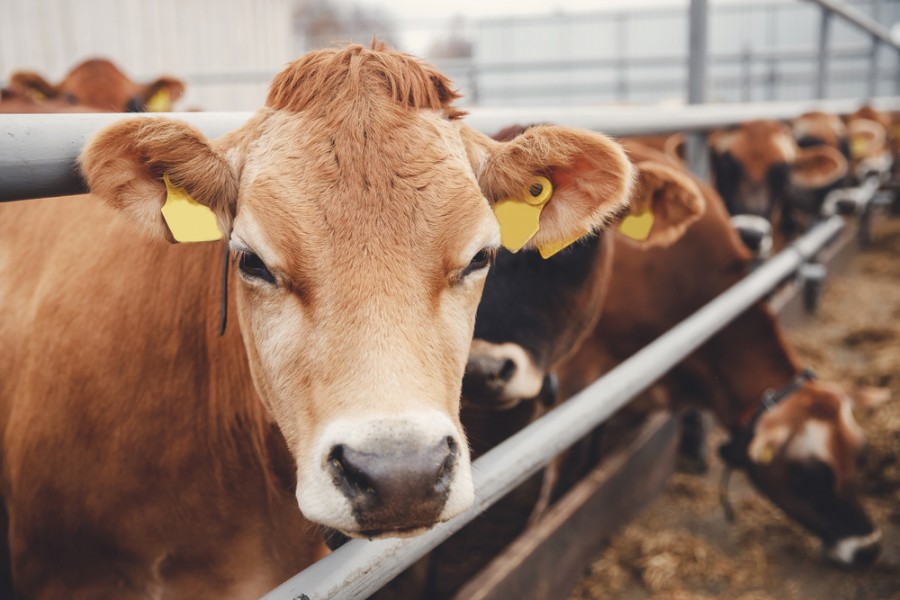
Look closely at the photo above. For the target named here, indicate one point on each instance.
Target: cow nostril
(507, 370)
(445, 471)
(348, 476)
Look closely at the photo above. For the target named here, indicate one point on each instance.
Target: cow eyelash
(252, 266)
(482, 259)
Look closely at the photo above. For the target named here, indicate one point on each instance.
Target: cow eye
(253, 267)
(482, 259)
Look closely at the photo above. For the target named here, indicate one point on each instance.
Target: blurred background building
(498, 53)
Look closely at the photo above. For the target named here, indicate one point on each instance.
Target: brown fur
(825, 127)
(754, 145)
(96, 83)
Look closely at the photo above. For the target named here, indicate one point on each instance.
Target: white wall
(148, 38)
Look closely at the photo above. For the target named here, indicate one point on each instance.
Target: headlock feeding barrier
(38, 158)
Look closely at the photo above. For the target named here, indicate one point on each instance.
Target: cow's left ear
(139, 165)
(32, 85)
(589, 174)
(664, 204)
(818, 167)
(160, 95)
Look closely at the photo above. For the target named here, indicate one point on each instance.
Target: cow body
(137, 455)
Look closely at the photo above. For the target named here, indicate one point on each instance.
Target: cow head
(817, 128)
(101, 85)
(869, 150)
(760, 170)
(535, 312)
(357, 206)
(803, 455)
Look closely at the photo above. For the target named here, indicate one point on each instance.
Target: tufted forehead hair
(320, 80)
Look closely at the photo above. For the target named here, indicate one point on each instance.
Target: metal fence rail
(359, 568)
(38, 156)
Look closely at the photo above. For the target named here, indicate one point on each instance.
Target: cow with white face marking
(145, 455)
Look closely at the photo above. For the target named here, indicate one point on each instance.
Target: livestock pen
(37, 159)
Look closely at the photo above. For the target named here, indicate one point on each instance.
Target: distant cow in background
(98, 84)
(759, 170)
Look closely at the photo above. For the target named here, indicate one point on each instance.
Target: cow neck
(240, 428)
(748, 357)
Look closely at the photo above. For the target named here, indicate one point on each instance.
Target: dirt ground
(681, 545)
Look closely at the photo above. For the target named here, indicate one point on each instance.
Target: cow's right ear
(127, 163)
(32, 85)
(589, 174)
(664, 204)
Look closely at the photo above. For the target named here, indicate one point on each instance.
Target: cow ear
(665, 203)
(818, 167)
(589, 175)
(139, 165)
(32, 85)
(161, 95)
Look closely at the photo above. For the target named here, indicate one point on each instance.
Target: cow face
(100, 85)
(536, 312)
(760, 170)
(358, 210)
(803, 456)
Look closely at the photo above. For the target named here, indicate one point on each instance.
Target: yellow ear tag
(161, 101)
(35, 94)
(637, 227)
(520, 217)
(549, 249)
(859, 147)
(765, 456)
(188, 220)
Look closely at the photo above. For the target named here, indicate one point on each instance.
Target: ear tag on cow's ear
(637, 226)
(188, 220)
(161, 101)
(520, 217)
(765, 455)
(549, 249)
(35, 94)
(859, 147)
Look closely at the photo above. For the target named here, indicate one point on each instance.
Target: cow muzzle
(856, 551)
(388, 477)
(500, 375)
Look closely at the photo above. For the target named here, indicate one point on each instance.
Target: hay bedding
(681, 546)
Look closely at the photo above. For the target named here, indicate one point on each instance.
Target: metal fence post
(822, 68)
(872, 87)
(696, 150)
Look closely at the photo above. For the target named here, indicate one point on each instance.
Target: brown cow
(144, 455)
(870, 132)
(98, 84)
(802, 452)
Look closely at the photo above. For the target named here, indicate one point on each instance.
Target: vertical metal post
(822, 67)
(621, 24)
(872, 87)
(696, 150)
(746, 74)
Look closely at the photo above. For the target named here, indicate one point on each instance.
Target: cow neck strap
(223, 309)
(733, 450)
(771, 398)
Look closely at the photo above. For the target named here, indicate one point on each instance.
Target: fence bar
(360, 567)
(696, 150)
(822, 61)
(858, 19)
(39, 152)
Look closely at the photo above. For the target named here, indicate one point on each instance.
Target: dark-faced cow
(146, 456)
(100, 85)
(801, 453)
